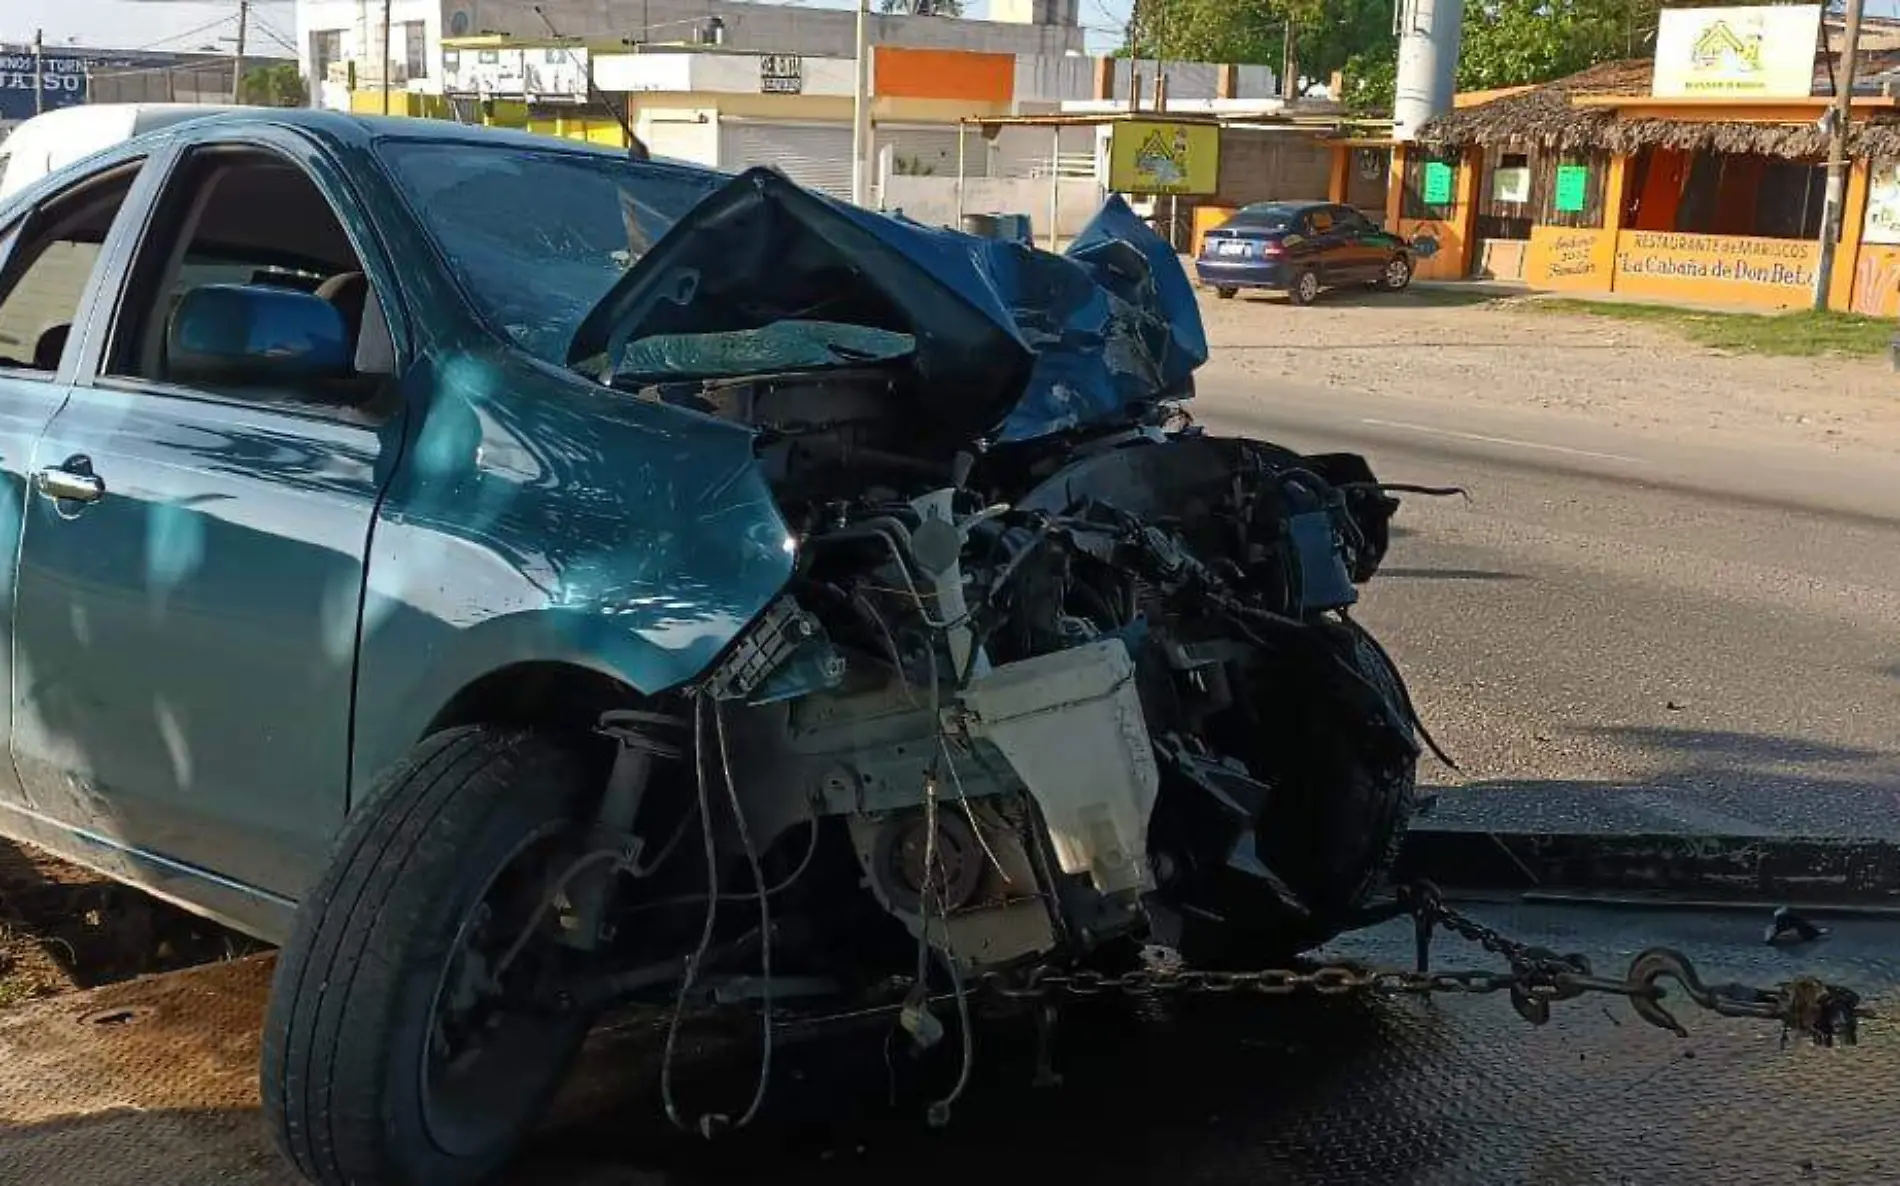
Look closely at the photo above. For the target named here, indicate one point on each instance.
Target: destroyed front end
(1056, 673)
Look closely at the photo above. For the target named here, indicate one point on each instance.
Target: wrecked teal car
(523, 581)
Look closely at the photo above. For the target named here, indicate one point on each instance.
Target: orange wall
(1567, 260)
(944, 74)
(1877, 281)
(1716, 269)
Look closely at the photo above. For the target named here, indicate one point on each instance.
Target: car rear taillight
(1272, 247)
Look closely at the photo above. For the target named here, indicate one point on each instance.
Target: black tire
(1226, 294)
(354, 998)
(1304, 289)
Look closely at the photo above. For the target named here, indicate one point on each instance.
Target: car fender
(537, 517)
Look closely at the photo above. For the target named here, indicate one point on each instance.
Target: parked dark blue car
(1300, 248)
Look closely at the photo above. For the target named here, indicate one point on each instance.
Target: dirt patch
(64, 928)
(1498, 352)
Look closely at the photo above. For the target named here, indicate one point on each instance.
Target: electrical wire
(205, 28)
(706, 929)
(765, 925)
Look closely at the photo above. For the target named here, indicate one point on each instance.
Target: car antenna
(636, 147)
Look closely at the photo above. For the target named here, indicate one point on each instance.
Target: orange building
(1599, 183)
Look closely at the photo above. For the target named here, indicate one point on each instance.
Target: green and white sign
(1437, 183)
(1573, 188)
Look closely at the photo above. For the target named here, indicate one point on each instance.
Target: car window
(48, 262)
(1265, 216)
(247, 216)
(538, 237)
(1351, 220)
(1321, 221)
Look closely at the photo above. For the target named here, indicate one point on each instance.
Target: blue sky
(194, 24)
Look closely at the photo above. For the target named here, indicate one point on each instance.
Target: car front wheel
(1226, 293)
(1398, 274)
(408, 1039)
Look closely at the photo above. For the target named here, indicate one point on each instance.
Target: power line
(219, 23)
(264, 27)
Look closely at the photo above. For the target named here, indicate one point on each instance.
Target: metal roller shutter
(932, 152)
(817, 156)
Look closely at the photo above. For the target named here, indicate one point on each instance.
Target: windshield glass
(1266, 217)
(537, 237)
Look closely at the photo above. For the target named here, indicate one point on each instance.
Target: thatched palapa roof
(1545, 117)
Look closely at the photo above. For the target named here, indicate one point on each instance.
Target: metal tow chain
(1826, 1013)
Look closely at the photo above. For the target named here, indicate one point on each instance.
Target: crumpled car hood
(1011, 343)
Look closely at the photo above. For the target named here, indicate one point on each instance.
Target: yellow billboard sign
(1751, 53)
(1151, 156)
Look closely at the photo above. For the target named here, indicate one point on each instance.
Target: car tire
(1226, 293)
(1398, 274)
(1304, 289)
(353, 1019)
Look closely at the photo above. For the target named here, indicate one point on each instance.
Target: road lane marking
(1472, 436)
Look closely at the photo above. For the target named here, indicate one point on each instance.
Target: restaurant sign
(1750, 53)
(1773, 272)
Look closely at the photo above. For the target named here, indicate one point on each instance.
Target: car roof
(360, 130)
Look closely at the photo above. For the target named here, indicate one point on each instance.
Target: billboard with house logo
(1744, 53)
(1148, 156)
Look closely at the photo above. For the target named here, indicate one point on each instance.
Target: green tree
(278, 85)
(1326, 33)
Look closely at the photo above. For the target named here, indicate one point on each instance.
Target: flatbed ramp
(152, 1083)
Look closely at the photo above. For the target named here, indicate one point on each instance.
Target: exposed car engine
(1057, 676)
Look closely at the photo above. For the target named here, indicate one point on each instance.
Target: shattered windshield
(537, 237)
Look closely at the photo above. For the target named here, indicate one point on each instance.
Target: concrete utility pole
(39, 75)
(1837, 159)
(861, 111)
(389, 70)
(237, 58)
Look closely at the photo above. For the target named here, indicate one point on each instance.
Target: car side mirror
(256, 333)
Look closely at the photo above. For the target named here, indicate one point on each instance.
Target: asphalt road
(1624, 630)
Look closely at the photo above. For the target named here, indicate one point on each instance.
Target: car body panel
(500, 544)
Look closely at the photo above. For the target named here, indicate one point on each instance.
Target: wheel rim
(1309, 286)
(486, 1067)
(1397, 273)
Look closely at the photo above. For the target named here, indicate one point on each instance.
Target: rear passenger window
(45, 266)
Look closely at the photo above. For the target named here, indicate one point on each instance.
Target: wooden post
(1339, 183)
(1395, 189)
(1465, 212)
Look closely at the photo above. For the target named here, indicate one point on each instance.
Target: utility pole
(39, 71)
(861, 110)
(388, 63)
(1831, 208)
(237, 59)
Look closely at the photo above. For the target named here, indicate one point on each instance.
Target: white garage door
(817, 156)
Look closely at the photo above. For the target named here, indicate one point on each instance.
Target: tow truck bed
(153, 1083)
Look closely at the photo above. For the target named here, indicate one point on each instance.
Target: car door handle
(70, 483)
